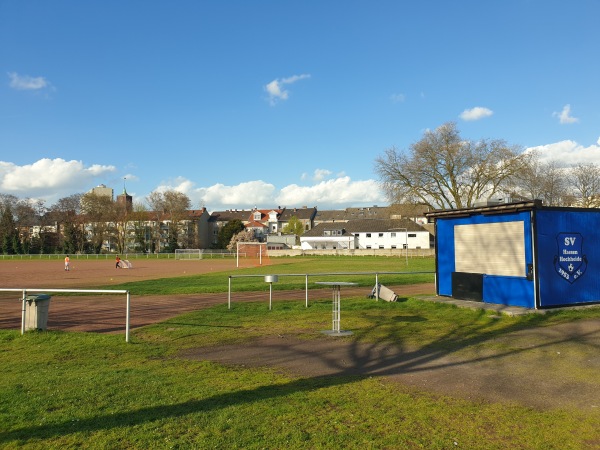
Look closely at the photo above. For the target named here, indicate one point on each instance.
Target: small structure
(384, 293)
(271, 279)
(518, 254)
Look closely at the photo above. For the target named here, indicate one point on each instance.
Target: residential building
(367, 234)
(264, 222)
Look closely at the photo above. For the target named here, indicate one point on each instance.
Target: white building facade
(367, 234)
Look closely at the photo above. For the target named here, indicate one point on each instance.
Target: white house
(367, 234)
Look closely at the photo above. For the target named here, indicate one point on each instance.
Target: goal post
(188, 253)
(250, 254)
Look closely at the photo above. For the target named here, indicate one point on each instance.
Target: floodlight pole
(406, 242)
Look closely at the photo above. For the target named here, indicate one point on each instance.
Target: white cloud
(332, 194)
(27, 83)
(567, 153)
(476, 113)
(564, 116)
(220, 196)
(276, 91)
(50, 179)
(321, 174)
(398, 98)
(336, 193)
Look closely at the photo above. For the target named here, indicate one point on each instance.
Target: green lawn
(293, 271)
(84, 390)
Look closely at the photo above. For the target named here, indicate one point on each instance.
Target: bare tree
(546, 181)
(445, 171)
(100, 212)
(141, 229)
(157, 205)
(176, 207)
(69, 225)
(171, 207)
(586, 182)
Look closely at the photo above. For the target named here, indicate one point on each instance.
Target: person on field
(67, 260)
(118, 265)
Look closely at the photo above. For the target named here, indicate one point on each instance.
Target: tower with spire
(125, 200)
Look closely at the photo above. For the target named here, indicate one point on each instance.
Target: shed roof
(501, 208)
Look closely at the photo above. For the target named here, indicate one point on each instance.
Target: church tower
(125, 200)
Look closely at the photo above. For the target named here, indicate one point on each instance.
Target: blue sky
(278, 103)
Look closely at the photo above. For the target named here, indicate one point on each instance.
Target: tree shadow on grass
(346, 360)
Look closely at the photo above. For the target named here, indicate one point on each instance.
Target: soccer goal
(188, 253)
(250, 254)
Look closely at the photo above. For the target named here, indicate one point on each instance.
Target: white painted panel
(490, 248)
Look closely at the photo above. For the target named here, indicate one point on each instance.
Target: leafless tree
(100, 213)
(546, 181)
(139, 219)
(69, 224)
(157, 206)
(586, 182)
(171, 207)
(445, 171)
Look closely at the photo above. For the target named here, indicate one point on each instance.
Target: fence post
(229, 294)
(306, 291)
(23, 312)
(127, 317)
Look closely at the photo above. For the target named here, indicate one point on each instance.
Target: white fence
(209, 253)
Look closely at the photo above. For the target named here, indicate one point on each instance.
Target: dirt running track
(538, 367)
(106, 313)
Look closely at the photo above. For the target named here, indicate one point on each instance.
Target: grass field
(362, 269)
(84, 390)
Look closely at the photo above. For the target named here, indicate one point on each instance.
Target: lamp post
(406, 242)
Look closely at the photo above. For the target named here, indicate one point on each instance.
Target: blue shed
(518, 254)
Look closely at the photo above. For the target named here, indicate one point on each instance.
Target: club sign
(570, 262)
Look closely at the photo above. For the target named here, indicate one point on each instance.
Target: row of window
(339, 233)
(410, 235)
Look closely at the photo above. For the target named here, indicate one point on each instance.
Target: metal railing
(86, 291)
(307, 275)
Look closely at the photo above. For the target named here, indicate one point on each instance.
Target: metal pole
(127, 315)
(270, 296)
(336, 308)
(406, 251)
(306, 290)
(23, 313)
(229, 294)
(376, 287)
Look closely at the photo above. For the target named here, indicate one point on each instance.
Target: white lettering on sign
(570, 241)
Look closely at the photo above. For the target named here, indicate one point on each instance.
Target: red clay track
(106, 313)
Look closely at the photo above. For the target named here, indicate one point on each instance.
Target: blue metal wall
(568, 248)
(516, 291)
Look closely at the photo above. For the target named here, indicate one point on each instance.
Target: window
(393, 235)
(381, 247)
(380, 234)
(393, 247)
(412, 234)
(368, 234)
(368, 247)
